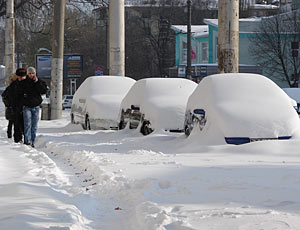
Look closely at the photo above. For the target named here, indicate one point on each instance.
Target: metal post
(106, 44)
(189, 42)
(9, 40)
(228, 36)
(116, 38)
(56, 87)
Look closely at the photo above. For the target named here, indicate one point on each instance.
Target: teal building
(205, 45)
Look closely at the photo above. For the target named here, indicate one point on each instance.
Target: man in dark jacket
(33, 90)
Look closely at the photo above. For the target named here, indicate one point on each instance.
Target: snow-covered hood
(104, 106)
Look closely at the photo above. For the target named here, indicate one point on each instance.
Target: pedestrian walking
(9, 114)
(15, 94)
(33, 88)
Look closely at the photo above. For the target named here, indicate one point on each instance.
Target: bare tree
(272, 47)
(149, 39)
(34, 23)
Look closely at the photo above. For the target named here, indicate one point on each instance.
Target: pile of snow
(243, 105)
(91, 180)
(197, 30)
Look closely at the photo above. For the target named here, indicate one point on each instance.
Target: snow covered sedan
(238, 108)
(156, 104)
(96, 103)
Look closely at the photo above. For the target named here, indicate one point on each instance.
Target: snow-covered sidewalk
(30, 195)
(81, 180)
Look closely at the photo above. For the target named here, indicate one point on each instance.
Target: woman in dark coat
(9, 115)
(15, 93)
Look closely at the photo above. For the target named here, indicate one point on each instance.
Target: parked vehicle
(46, 100)
(156, 103)
(96, 103)
(238, 108)
(294, 93)
(67, 101)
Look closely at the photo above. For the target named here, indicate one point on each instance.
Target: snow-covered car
(96, 103)
(67, 101)
(156, 104)
(294, 93)
(238, 108)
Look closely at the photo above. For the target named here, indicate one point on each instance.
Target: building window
(204, 52)
(184, 53)
(216, 50)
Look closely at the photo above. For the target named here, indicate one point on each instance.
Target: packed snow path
(77, 179)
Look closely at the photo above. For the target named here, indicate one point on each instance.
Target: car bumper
(244, 140)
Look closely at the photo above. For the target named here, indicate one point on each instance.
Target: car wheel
(146, 128)
(187, 130)
(87, 123)
(121, 125)
(131, 126)
(72, 118)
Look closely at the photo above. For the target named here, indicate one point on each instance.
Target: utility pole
(9, 41)
(228, 36)
(106, 71)
(117, 38)
(188, 71)
(56, 84)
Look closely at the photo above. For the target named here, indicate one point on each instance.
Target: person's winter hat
(21, 72)
(31, 70)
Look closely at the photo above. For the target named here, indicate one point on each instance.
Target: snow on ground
(76, 179)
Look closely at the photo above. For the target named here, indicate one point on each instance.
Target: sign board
(98, 70)
(181, 71)
(43, 66)
(203, 71)
(72, 65)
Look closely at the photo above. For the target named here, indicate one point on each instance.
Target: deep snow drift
(77, 179)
